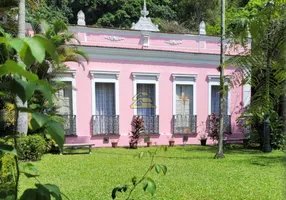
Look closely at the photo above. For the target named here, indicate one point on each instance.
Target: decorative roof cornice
(144, 23)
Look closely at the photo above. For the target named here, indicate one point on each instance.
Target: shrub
(7, 169)
(214, 127)
(31, 147)
(137, 128)
(7, 175)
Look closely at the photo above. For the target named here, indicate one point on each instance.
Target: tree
(29, 49)
(44, 9)
(219, 153)
(192, 12)
(264, 69)
(57, 32)
(22, 125)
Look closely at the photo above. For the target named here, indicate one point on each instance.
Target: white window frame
(136, 80)
(69, 76)
(99, 76)
(214, 80)
(185, 79)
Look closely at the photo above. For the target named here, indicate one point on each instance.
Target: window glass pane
(65, 101)
(184, 99)
(105, 98)
(215, 100)
(146, 99)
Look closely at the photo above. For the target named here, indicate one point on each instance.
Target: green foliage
(44, 10)
(7, 169)
(7, 175)
(148, 184)
(264, 66)
(57, 32)
(278, 137)
(43, 192)
(31, 147)
(256, 120)
(30, 50)
(192, 12)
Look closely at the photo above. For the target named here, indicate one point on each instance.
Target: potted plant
(203, 139)
(114, 143)
(203, 136)
(137, 128)
(148, 141)
(171, 142)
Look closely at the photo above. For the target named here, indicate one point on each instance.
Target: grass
(192, 174)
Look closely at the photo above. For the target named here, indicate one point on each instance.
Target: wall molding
(114, 38)
(101, 74)
(150, 55)
(174, 42)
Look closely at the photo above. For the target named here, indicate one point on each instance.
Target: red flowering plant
(213, 126)
(137, 128)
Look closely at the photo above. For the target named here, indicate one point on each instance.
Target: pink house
(171, 80)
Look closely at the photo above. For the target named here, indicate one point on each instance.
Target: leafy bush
(31, 147)
(7, 175)
(7, 169)
(277, 137)
(256, 120)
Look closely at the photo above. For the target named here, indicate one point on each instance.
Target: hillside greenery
(178, 16)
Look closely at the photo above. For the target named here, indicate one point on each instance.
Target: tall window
(146, 99)
(184, 103)
(65, 100)
(105, 102)
(66, 106)
(184, 99)
(215, 93)
(105, 98)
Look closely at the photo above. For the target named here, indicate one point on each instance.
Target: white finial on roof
(144, 23)
(81, 18)
(202, 30)
(144, 12)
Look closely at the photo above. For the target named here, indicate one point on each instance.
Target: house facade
(170, 80)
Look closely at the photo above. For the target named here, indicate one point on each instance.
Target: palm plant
(264, 65)
(62, 39)
(58, 33)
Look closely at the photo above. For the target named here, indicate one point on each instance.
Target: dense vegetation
(170, 15)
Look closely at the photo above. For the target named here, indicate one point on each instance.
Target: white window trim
(69, 76)
(99, 76)
(155, 81)
(215, 80)
(192, 81)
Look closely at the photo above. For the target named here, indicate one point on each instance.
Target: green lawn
(192, 174)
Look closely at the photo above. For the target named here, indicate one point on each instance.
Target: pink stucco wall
(132, 40)
(157, 41)
(84, 104)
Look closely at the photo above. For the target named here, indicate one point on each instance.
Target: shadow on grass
(227, 150)
(255, 157)
(267, 160)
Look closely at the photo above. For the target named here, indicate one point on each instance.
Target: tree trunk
(219, 153)
(22, 126)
